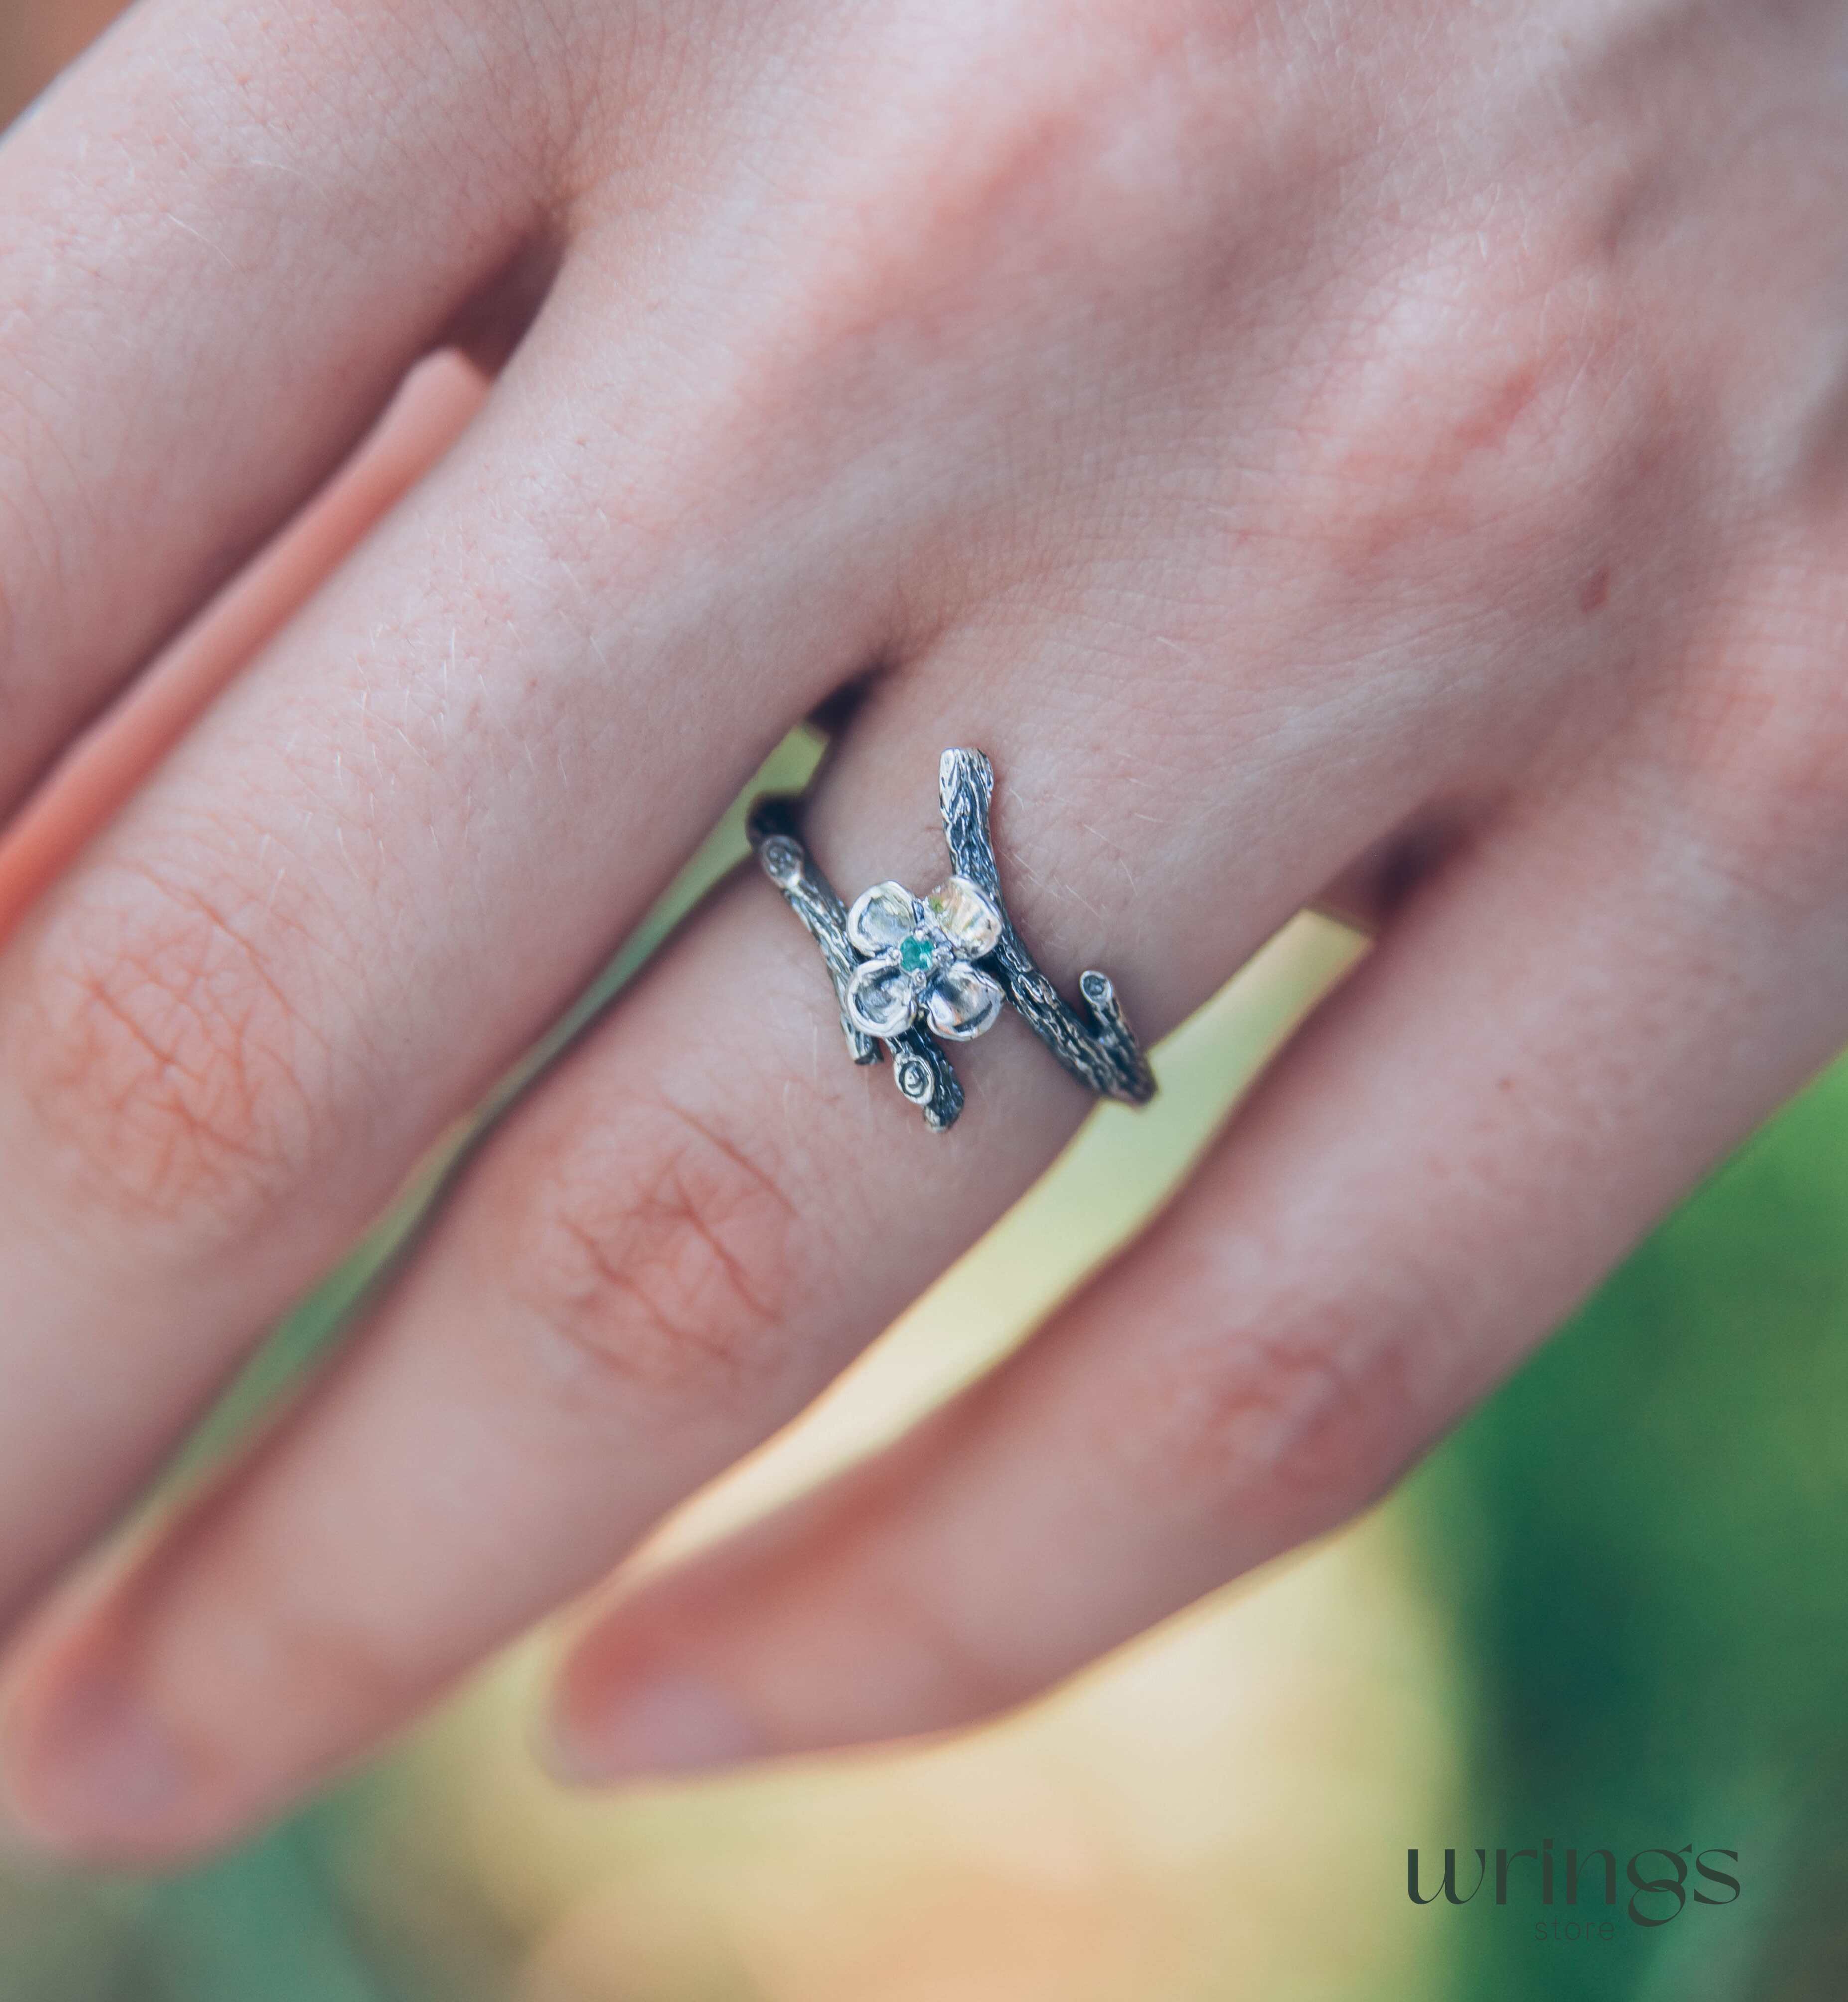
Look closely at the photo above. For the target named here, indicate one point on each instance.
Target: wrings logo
(1656, 1884)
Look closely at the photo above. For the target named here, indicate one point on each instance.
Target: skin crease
(1281, 436)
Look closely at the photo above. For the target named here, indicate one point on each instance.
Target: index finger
(206, 293)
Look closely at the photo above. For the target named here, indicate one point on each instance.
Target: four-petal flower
(919, 955)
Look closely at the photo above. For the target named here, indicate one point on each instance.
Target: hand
(1407, 445)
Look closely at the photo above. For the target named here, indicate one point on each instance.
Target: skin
(1401, 444)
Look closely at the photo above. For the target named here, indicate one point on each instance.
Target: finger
(105, 765)
(313, 939)
(1540, 1059)
(672, 1247)
(209, 292)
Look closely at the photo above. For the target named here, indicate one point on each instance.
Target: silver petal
(963, 1003)
(881, 917)
(882, 998)
(965, 916)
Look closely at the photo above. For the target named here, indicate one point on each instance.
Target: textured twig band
(1106, 1056)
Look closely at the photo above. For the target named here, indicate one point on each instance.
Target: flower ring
(904, 967)
(919, 960)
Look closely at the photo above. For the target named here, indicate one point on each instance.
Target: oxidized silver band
(910, 973)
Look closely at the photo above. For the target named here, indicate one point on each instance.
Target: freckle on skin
(1595, 590)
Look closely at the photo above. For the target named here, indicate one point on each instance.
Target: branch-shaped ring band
(912, 973)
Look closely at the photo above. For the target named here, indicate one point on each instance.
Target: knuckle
(1299, 1421)
(1510, 421)
(164, 1061)
(659, 1252)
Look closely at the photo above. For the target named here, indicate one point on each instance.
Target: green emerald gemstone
(915, 953)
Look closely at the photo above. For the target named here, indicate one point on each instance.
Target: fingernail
(677, 1722)
(99, 1771)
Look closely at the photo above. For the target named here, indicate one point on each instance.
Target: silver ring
(912, 973)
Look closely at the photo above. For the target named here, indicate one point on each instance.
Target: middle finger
(380, 864)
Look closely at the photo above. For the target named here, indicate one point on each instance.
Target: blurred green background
(1606, 1614)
